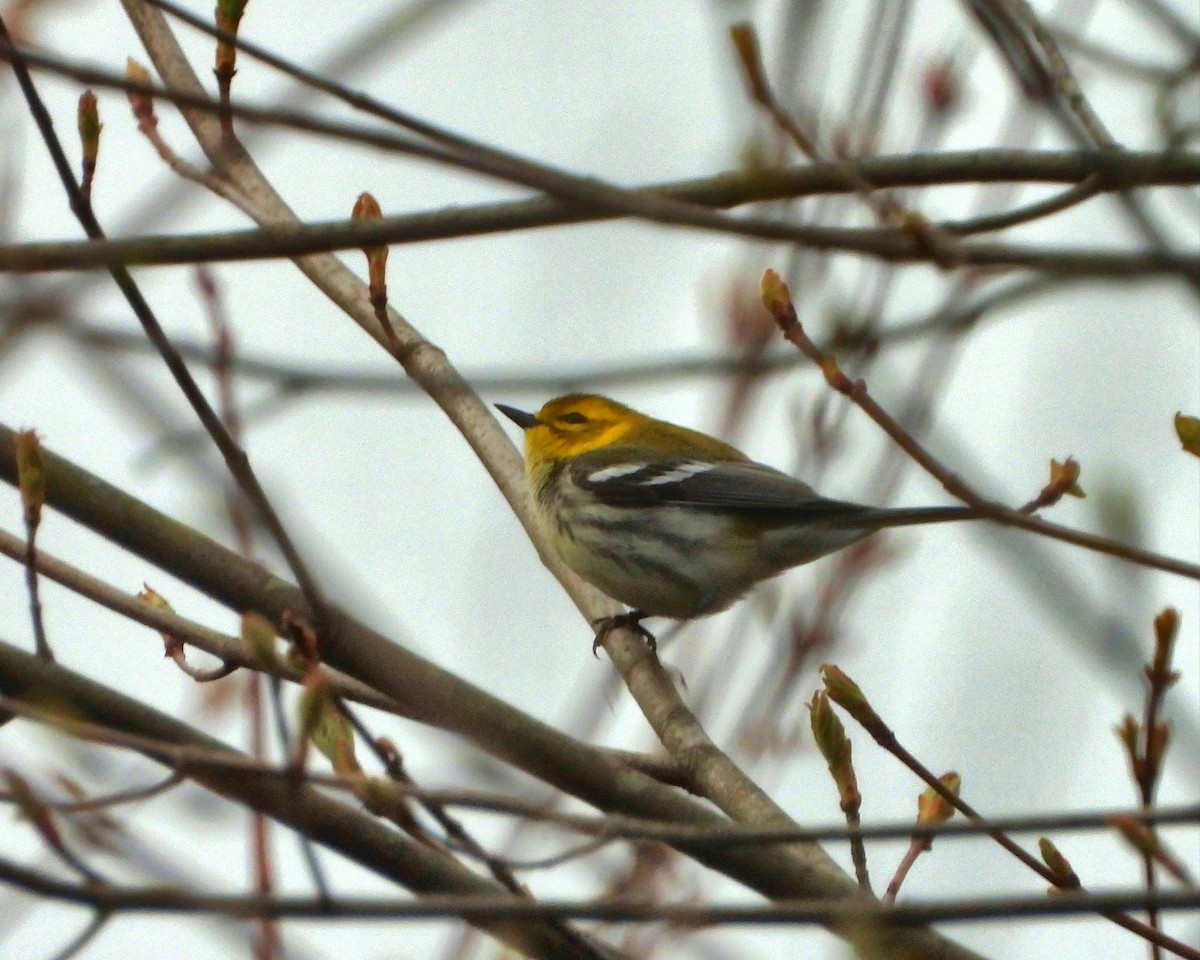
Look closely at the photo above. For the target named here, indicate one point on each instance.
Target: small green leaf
(326, 727)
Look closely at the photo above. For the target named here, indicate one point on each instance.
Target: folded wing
(638, 479)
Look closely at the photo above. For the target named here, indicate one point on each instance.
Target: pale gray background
(968, 662)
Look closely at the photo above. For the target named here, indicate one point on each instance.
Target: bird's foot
(631, 621)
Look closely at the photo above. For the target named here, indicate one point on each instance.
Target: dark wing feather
(638, 478)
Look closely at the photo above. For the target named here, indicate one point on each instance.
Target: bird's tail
(912, 516)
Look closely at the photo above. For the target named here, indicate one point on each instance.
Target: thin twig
(1058, 202)
(491, 908)
(887, 739)
(1110, 57)
(231, 650)
(85, 936)
(597, 200)
(40, 640)
(133, 795)
(855, 391)
(235, 458)
(284, 735)
(614, 827)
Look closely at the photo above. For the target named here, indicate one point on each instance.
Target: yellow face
(575, 424)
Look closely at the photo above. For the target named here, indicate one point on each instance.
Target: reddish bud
(941, 85)
(141, 103)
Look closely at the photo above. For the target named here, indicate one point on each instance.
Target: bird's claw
(631, 621)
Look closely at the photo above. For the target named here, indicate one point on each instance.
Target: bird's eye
(573, 417)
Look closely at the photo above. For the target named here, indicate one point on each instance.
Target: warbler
(670, 521)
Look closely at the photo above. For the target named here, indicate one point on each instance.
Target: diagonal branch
(356, 835)
(427, 694)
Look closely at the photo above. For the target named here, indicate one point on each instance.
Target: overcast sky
(983, 650)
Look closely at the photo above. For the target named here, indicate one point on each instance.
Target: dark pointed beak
(519, 417)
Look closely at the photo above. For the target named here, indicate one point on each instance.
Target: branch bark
(425, 693)
(333, 824)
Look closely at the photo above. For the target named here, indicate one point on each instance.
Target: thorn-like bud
(141, 103)
(1145, 840)
(1166, 626)
(1137, 834)
(1129, 732)
(31, 477)
(88, 121)
(34, 809)
(745, 45)
(366, 207)
(1166, 629)
(135, 72)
